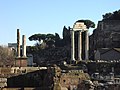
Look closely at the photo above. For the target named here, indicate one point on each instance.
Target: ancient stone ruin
(79, 27)
(21, 60)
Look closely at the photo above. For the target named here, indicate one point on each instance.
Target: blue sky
(48, 16)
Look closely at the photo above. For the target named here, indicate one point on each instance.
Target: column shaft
(86, 45)
(24, 46)
(18, 43)
(72, 46)
(79, 46)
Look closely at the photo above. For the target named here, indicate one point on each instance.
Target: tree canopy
(112, 16)
(45, 39)
(42, 37)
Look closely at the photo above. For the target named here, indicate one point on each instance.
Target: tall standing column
(72, 46)
(24, 46)
(86, 45)
(18, 43)
(79, 46)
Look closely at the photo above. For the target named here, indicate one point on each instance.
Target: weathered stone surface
(106, 35)
(21, 62)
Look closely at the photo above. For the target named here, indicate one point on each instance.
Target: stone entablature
(79, 26)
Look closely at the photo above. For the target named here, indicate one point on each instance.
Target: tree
(50, 36)
(107, 15)
(64, 32)
(88, 23)
(58, 40)
(112, 16)
(66, 36)
(44, 39)
(38, 37)
(7, 56)
(57, 37)
(51, 43)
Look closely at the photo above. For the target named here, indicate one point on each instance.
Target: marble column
(24, 46)
(18, 43)
(79, 45)
(72, 46)
(86, 45)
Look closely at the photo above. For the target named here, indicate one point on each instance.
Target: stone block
(21, 62)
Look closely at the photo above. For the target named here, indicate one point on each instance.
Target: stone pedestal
(21, 62)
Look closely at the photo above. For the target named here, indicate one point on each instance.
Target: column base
(79, 59)
(73, 61)
(21, 62)
(86, 59)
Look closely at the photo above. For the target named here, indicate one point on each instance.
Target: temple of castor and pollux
(79, 27)
(80, 74)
